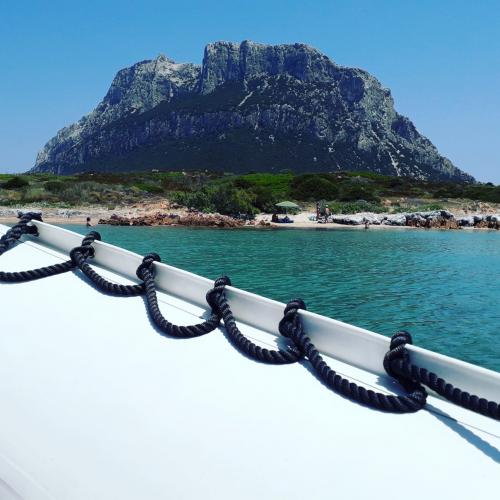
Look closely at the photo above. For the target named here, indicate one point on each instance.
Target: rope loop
(398, 365)
(147, 264)
(291, 327)
(12, 235)
(79, 256)
(220, 307)
(145, 273)
(22, 227)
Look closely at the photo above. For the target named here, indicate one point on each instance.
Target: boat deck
(98, 405)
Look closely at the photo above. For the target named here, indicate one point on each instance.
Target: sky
(441, 59)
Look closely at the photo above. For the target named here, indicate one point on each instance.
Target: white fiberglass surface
(97, 404)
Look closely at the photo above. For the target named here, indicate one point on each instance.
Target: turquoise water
(442, 286)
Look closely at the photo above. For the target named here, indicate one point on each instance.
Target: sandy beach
(154, 213)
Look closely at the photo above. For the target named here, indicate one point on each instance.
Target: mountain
(248, 107)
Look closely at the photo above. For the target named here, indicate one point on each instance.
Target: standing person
(88, 224)
(327, 213)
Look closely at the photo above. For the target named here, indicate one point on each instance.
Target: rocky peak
(248, 107)
(226, 61)
(134, 90)
(147, 83)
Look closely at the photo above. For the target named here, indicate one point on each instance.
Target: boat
(97, 404)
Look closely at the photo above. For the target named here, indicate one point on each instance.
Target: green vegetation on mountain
(345, 192)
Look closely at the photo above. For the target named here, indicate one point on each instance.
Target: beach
(164, 213)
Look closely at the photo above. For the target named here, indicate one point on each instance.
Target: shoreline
(164, 215)
(271, 227)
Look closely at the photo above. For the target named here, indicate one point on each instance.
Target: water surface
(442, 286)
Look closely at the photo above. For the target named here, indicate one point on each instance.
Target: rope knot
(147, 264)
(29, 216)
(290, 318)
(24, 219)
(216, 292)
(397, 350)
(90, 238)
(85, 250)
(81, 252)
(400, 338)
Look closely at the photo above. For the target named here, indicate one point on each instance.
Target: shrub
(179, 182)
(265, 199)
(15, 183)
(353, 192)
(35, 195)
(278, 184)
(82, 192)
(314, 187)
(223, 198)
(430, 207)
(54, 186)
(149, 188)
(483, 193)
(242, 183)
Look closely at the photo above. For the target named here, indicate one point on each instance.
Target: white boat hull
(98, 405)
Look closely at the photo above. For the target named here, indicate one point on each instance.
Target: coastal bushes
(16, 182)
(341, 187)
(312, 187)
(149, 187)
(231, 194)
(354, 192)
(224, 199)
(483, 192)
(54, 186)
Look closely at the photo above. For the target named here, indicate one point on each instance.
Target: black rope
(36, 274)
(397, 364)
(84, 251)
(291, 327)
(145, 272)
(396, 361)
(13, 235)
(22, 227)
(218, 300)
(79, 256)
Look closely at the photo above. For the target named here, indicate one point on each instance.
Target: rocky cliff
(248, 107)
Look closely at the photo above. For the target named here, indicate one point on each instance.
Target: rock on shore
(435, 219)
(165, 219)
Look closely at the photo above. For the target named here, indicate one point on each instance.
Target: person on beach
(88, 224)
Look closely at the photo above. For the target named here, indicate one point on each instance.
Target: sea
(441, 286)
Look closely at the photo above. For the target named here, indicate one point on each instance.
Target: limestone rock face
(248, 107)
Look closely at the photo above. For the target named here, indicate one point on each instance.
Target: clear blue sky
(441, 59)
